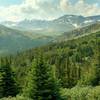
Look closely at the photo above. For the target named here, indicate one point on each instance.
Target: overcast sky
(16, 10)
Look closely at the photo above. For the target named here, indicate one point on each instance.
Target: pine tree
(44, 86)
(1, 83)
(8, 85)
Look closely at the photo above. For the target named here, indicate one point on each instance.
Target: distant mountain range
(62, 24)
(19, 36)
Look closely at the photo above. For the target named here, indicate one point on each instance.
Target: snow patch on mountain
(75, 25)
(88, 21)
(61, 24)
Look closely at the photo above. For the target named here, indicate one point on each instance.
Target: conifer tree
(8, 85)
(1, 83)
(44, 86)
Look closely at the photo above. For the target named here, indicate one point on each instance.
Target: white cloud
(19, 12)
(10, 13)
(86, 9)
(29, 9)
(80, 8)
(31, 3)
(37, 9)
(65, 5)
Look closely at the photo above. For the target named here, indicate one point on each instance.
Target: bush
(81, 93)
(18, 97)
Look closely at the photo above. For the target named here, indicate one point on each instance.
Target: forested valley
(65, 70)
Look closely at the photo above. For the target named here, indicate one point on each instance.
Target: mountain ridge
(61, 24)
(14, 40)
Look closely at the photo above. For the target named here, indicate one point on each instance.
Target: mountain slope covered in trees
(74, 70)
(12, 41)
(79, 32)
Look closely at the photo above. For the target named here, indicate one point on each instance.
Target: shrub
(81, 93)
(18, 97)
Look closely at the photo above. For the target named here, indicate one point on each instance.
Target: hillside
(49, 49)
(12, 40)
(26, 34)
(79, 32)
(80, 51)
(75, 64)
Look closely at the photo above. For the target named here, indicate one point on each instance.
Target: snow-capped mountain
(77, 21)
(62, 24)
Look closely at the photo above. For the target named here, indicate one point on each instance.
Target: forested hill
(13, 41)
(79, 32)
(78, 53)
(74, 63)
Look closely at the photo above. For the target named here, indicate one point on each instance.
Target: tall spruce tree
(8, 85)
(44, 86)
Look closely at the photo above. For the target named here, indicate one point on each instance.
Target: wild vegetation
(13, 40)
(68, 70)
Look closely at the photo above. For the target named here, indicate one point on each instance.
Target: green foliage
(75, 63)
(43, 86)
(18, 97)
(73, 60)
(81, 93)
(8, 86)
